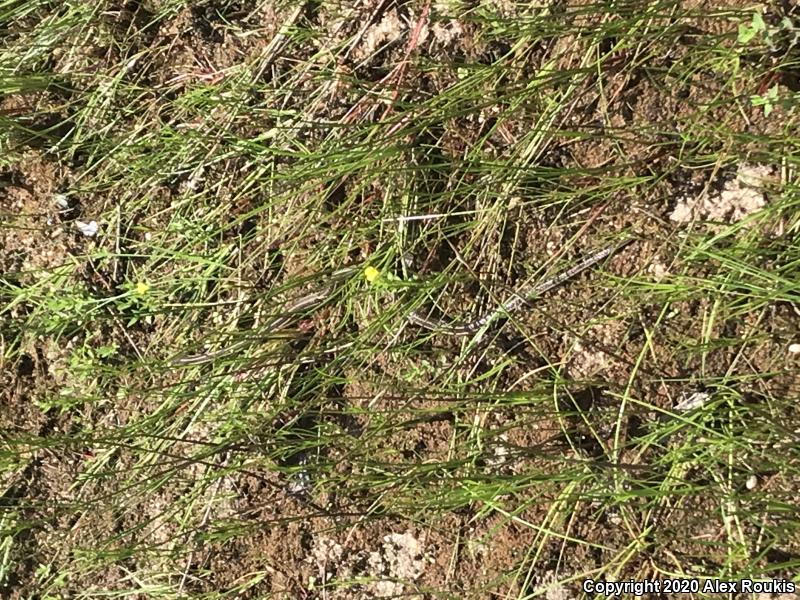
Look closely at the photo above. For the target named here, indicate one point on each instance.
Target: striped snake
(314, 299)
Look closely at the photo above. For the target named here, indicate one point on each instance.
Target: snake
(314, 299)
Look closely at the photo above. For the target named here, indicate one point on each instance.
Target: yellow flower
(142, 288)
(371, 274)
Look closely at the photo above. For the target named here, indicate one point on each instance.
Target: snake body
(516, 301)
(320, 296)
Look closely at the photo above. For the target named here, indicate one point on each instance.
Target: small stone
(61, 201)
(692, 401)
(89, 229)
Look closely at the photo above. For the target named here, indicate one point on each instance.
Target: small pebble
(794, 348)
(88, 229)
(692, 401)
(751, 482)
